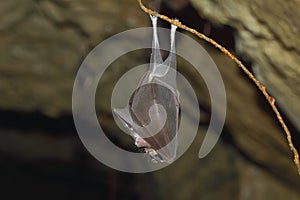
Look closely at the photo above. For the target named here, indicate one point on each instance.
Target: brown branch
(261, 87)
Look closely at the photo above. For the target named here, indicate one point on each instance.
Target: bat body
(151, 117)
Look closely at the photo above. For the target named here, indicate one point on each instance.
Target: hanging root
(261, 87)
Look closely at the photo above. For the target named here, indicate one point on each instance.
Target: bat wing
(152, 114)
(155, 108)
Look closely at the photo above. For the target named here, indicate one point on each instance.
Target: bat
(151, 117)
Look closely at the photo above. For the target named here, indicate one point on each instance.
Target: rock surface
(44, 42)
(267, 33)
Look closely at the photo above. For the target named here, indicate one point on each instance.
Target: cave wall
(267, 33)
(44, 42)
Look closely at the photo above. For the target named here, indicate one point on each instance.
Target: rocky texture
(42, 45)
(267, 33)
(258, 136)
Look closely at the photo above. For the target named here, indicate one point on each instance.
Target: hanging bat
(151, 117)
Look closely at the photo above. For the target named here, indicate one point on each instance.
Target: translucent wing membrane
(151, 117)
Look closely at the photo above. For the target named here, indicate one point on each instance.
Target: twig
(261, 87)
